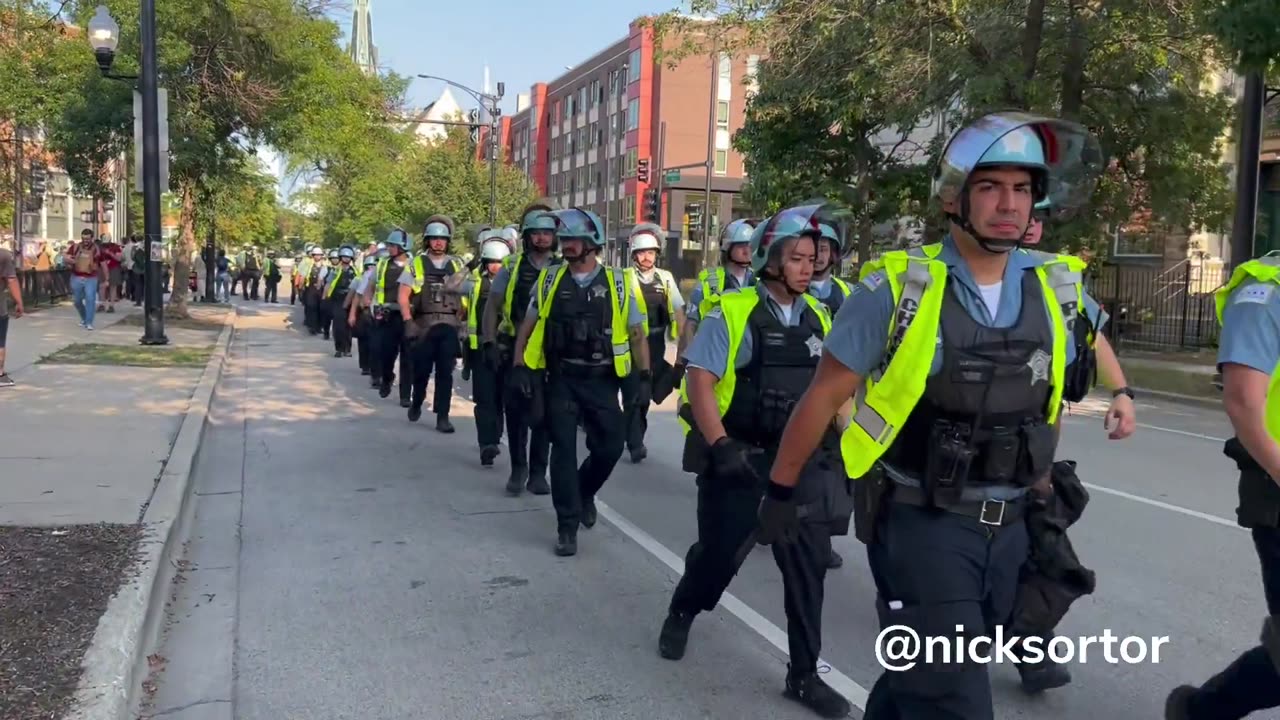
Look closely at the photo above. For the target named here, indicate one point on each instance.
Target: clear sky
(522, 41)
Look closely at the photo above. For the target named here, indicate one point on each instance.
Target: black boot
(1041, 676)
(567, 544)
(835, 561)
(1178, 705)
(487, 454)
(809, 690)
(515, 483)
(675, 634)
(384, 389)
(638, 454)
(415, 412)
(589, 513)
(405, 402)
(443, 425)
(538, 483)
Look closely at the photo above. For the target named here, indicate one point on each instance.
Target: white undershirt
(786, 312)
(991, 298)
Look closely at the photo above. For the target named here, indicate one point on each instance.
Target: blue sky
(523, 42)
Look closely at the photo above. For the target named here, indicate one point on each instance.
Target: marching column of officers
(919, 406)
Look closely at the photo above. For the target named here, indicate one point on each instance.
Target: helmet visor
(574, 223)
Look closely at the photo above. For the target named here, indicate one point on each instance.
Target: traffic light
(652, 205)
(39, 180)
(642, 170)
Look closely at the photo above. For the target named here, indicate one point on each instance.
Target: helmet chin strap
(995, 246)
(768, 273)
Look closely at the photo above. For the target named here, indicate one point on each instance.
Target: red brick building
(584, 138)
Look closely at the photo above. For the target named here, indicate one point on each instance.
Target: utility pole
(711, 156)
(153, 294)
(1247, 166)
(494, 125)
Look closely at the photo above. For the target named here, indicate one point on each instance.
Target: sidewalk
(91, 437)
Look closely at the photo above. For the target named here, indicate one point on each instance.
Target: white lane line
(840, 682)
(1078, 420)
(1165, 506)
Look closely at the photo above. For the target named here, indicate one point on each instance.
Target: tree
(238, 72)
(844, 75)
(240, 207)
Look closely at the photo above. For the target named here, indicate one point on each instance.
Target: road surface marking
(840, 682)
(1165, 506)
(1079, 420)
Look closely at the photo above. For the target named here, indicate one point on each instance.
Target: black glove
(644, 389)
(777, 516)
(475, 263)
(492, 356)
(522, 381)
(677, 373)
(729, 462)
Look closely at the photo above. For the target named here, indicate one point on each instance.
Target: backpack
(139, 259)
(251, 262)
(224, 265)
(85, 263)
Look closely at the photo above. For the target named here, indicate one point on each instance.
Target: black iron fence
(43, 287)
(1154, 308)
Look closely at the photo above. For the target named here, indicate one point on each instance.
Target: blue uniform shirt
(710, 347)
(822, 289)
(1251, 327)
(695, 295)
(860, 332)
(634, 318)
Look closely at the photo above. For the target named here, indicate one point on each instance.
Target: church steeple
(363, 51)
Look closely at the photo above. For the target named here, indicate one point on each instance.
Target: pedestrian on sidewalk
(113, 273)
(85, 260)
(138, 272)
(222, 283)
(9, 284)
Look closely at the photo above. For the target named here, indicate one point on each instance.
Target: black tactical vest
(345, 277)
(524, 276)
(432, 302)
(655, 299)
(580, 327)
(835, 298)
(1002, 374)
(391, 282)
(783, 361)
(486, 282)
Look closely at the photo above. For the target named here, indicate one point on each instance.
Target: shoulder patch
(1257, 293)
(715, 312)
(874, 280)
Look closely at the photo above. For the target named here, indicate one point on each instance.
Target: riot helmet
(579, 224)
(494, 249)
(346, 252)
(317, 251)
(511, 236)
(438, 227)
(771, 237)
(1063, 159)
(371, 260)
(398, 239)
(737, 232)
(646, 236)
(333, 256)
(537, 220)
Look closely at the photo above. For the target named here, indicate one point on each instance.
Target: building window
(594, 134)
(598, 91)
(722, 113)
(724, 90)
(633, 114)
(630, 168)
(633, 67)
(568, 108)
(722, 162)
(753, 74)
(573, 143)
(628, 209)
(582, 99)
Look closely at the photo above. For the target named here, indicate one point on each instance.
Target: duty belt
(988, 512)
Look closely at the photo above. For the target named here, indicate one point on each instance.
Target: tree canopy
(857, 97)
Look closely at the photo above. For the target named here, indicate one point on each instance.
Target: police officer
(432, 314)
(337, 286)
(751, 360)
(1248, 308)
(662, 307)
(357, 314)
(382, 297)
(271, 275)
(584, 327)
(825, 286)
(322, 284)
(960, 404)
(307, 289)
(487, 380)
(734, 272)
(512, 288)
(300, 270)
(251, 272)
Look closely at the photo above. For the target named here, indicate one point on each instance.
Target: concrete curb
(115, 664)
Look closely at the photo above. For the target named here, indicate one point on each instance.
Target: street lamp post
(490, 103)
(104, 37)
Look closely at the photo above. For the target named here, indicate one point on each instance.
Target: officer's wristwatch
(1126, 390)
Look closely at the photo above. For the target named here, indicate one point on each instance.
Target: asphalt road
(367, 567)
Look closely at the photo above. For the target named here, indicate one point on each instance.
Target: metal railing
(1159, 309)
(43, 287)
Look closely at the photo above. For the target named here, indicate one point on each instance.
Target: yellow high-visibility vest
(642, 305)
(535, 352)
(1265, 270)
